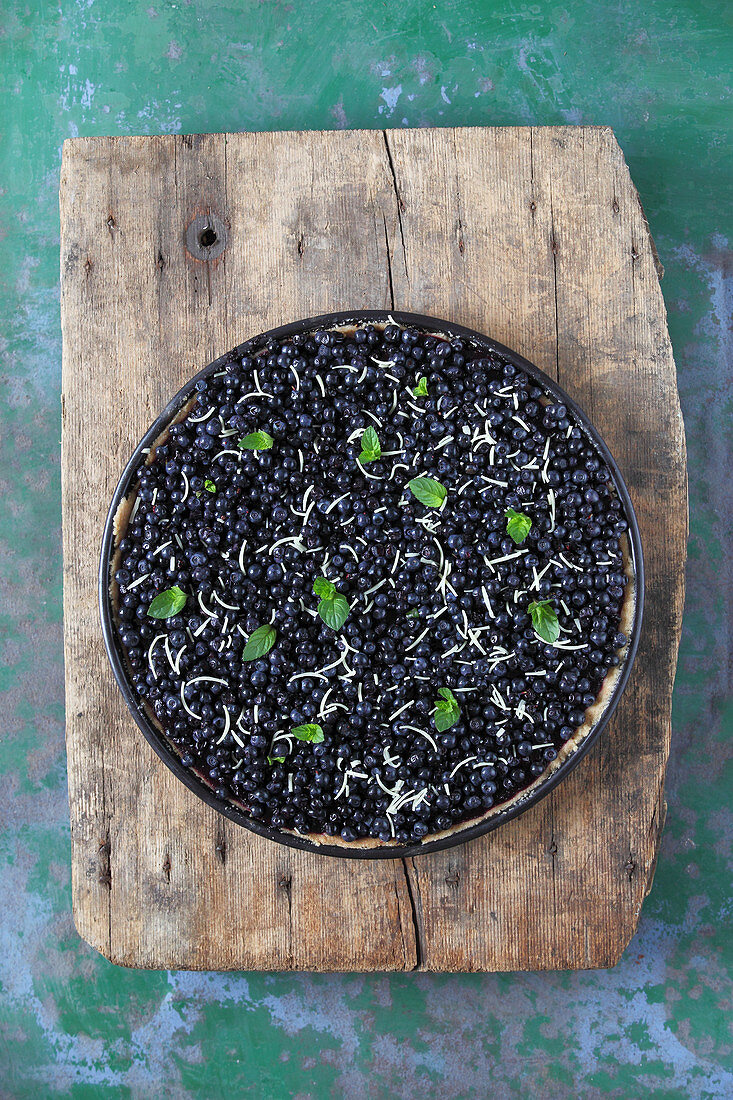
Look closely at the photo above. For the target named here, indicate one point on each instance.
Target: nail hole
(206, 236)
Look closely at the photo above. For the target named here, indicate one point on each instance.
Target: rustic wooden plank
(174, 884)
(570, 271)
(535, 236)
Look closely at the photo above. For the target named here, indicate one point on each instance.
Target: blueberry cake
(373, 583)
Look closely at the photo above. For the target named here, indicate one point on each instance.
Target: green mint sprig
(518, 525)
(332, 607)
(447, 712)
(371, 448)
(259, 642)
(168, 603)
(310, 731)
(428, 491)
(544, 620)
(256, 441)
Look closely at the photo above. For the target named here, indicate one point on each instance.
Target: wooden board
(535, 236)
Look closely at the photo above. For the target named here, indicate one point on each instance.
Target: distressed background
(73, 1025)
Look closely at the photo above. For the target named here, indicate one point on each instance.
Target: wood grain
(535, 236)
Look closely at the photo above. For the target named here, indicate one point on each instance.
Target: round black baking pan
(167, 752)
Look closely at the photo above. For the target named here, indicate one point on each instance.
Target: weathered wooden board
(535, 236)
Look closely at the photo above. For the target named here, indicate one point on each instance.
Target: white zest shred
(467, 760)
(150, 652)
(137, 582)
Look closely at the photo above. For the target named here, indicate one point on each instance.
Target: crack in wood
(285, 883)
(389, 264)
(461, 241)
(400, 204)
(532, 203)
(656, 829)
(413, 893)
(167, 867)
(553, 249)
(226, 215)
(552, 852)
(103, 862)
(105, 854)
(658, 266)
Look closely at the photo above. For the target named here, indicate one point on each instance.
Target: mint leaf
(333, 607)
(168, 603)
(371, 448)
(421, 389)
(256, 441)
(311, 731)
(447, 711)
(414, 614)
(259, 642)
(276, 760)
(334, 611)
(517, 525)
(544, 620)
(428, 491)
(209, 486)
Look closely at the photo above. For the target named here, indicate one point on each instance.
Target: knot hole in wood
(206, 237)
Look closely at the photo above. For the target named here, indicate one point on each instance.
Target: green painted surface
(73, 1025)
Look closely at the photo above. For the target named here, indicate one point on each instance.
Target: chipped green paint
(72, 1025)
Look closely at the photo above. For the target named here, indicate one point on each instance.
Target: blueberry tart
(372, 583)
